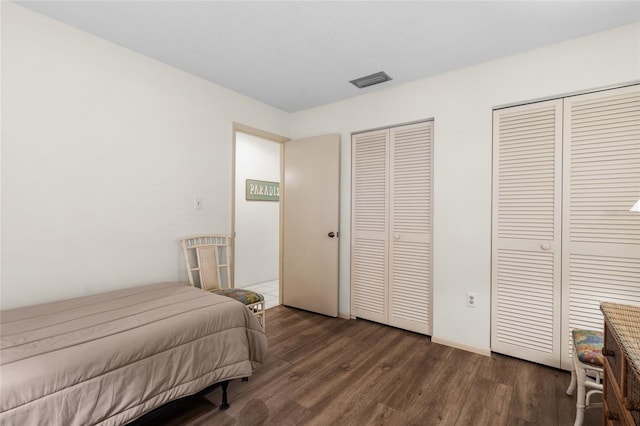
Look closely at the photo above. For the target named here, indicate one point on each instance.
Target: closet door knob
(545, 246)
(397, 236)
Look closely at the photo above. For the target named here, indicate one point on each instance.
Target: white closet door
(410, 234)
(601, 238)
(527, 185)
(369, 224)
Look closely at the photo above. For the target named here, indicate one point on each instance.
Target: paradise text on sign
(260, 190)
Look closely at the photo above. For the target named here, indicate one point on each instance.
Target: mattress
(110, 358)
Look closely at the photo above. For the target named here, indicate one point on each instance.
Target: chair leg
(580, 400)
(572, 385)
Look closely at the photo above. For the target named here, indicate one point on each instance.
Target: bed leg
(224, 404)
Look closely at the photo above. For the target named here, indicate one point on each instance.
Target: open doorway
(257, 213)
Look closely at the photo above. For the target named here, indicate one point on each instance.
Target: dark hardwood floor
(327, 371)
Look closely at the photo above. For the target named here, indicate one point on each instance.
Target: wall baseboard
(474, 349)
(344, 315)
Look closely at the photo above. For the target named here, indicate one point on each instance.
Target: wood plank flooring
(328, 371)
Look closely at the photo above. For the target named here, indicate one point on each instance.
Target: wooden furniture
(208, 261)
(622, 364)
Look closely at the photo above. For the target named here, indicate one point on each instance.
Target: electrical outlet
(472, 300)
(197, 203)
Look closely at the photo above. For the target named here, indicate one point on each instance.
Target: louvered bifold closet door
(527, 185)
(410, 234)
(369, 225)
(601, 238)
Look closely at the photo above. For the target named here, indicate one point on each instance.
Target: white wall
(103, 152)
(461, 103)
(257, 225)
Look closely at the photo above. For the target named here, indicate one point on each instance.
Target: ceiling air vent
(370, 80)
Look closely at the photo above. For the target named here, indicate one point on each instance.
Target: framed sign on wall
(260, 190)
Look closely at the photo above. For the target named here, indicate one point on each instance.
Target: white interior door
(410, 174)
(391, 226)
(369, 225)
(601, 238)
(311, 201)
(526, 249)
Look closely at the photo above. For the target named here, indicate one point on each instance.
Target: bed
(110, 358)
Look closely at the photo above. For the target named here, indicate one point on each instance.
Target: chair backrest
(208, 261)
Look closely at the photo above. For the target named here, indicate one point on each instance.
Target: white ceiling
(297, 55)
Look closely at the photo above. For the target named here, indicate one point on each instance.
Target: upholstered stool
(588, 363)
(254, 301)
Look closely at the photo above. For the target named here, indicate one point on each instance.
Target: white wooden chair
(587, 369)
(208, 261)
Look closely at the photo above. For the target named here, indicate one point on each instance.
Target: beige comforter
(109, 358)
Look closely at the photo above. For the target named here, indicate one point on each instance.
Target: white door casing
(311, 200)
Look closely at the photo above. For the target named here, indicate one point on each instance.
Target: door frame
(242, 128)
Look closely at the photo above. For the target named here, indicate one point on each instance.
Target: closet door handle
(545, 246)
(396, 236)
